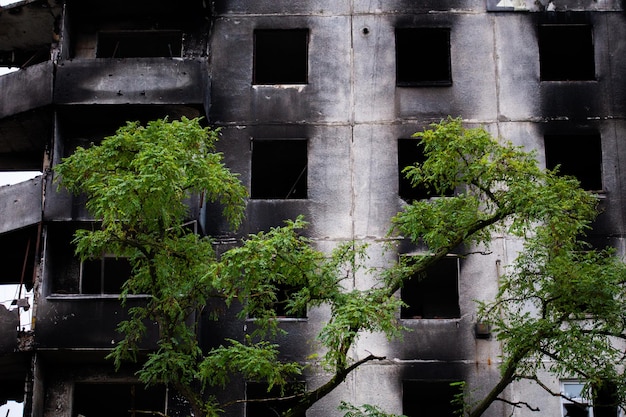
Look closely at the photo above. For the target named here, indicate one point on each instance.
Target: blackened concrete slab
(26, 89)
(131, 81)
(20, 204)
(27, 30)
(9, 322)
(66, 322)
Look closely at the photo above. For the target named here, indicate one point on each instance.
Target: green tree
(137, 183)
(575, 292)
(560, 305)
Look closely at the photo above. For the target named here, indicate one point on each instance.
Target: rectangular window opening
(435, 294)
(283, 294)
(259, 391)
(117, 399)
(104, 275)
(566, 52)
(423, 57)
(279, 169)
(280, 56)
(578, 155)
(410, 152)
(140, 44)
(429, 398)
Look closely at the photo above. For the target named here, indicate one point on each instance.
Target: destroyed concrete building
(331, 91)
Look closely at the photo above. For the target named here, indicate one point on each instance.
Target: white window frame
(577, 387)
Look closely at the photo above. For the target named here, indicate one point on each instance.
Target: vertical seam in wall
(496, 72)
(613, 121)
(351, 124)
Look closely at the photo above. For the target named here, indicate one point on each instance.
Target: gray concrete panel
(325, 97)
(471, 94)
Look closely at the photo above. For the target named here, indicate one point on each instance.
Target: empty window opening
(275, 408)
(434, 294)
(410, 152)
(566, 52)
(577, 155)
(18, 250)
(423, 57)
(279, 169)
(281, 56)
(106, 400)
(139, 44)
(429, 398)
(283, 294)
(605, 400)
(104, 275)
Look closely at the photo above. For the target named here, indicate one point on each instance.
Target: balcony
(131, 81)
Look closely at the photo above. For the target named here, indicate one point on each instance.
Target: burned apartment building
(329, 90)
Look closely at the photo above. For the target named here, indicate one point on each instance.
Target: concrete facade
(349, 111)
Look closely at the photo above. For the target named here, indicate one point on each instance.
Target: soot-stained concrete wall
(351, 113)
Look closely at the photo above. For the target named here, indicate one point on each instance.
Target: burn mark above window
(434, 294)
(281, 56)
(410, 152)
(566, 52)
(430, 398)
(423, 57)
(279, 169)
(577, 155)
(140, 44)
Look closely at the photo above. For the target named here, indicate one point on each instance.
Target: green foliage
(138, 183)
(253, 361)
(560, 305)
(559, 300)
(366, 410)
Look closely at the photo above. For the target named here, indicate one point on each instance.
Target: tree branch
(311, 397)
(518, 404)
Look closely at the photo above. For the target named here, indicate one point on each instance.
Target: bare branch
(518, 404)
